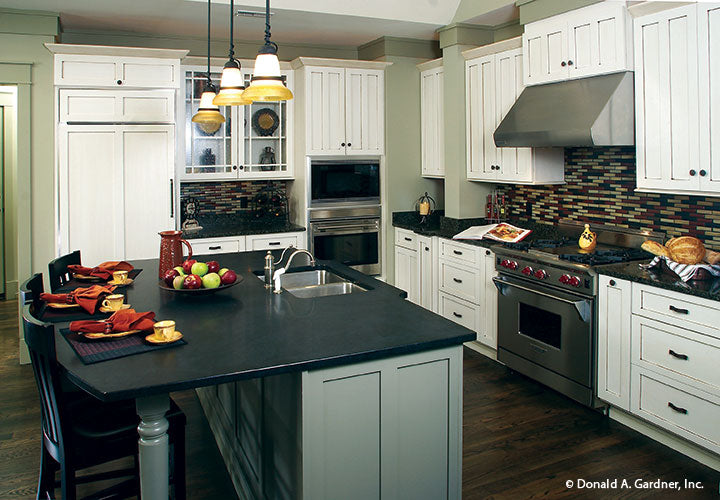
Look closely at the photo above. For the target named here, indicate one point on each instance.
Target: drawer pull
(457, 252)
(457, 315)
(408, 239)
(427, 249)
(487, 252)
(678, 356)
(457, 280)
(215, 248)
(678, 310)
(612, 283)
(274, 243)
(677, 408)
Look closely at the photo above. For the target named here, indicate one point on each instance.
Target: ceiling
(326, 22)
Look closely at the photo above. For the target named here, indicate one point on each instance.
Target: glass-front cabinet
(254, 142)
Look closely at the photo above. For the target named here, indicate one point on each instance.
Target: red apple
(213, 266)
(187, 265)
(169, 276)
(228, 277)
(192, 281)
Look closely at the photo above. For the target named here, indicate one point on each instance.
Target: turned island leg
(153, 448)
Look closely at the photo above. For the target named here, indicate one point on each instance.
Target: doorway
(8, 157)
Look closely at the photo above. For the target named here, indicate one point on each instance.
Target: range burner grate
(545, 243)
(605, 256)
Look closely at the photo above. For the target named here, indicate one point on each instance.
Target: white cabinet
(206, 246)
(432, 120)
(427, 273)
(613, 342)
(416, 267)
(112, 106)
(677, 100)
(345, 110)
(406, 272)
(487, 334)
(275, 241)
(116, 189)
(493, 83)
(590, 41)
(111, 71)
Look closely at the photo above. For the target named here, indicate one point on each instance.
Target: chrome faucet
(281, 271)
(270, 264)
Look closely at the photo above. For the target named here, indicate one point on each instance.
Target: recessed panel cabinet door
(546, 52)
(365, 125)
(709, 71)
(481, 118)
(614, 325)
(406, 272)
(325, 111)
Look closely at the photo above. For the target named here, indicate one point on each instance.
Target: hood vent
(595, 111)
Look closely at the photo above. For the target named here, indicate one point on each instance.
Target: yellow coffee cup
(120, 276)
(114, 302)
(164, 329)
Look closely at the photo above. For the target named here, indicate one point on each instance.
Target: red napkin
(104, 270)
(121, 321)
(87, 298)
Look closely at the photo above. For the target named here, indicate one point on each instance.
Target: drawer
(458, 280)
(206, 246)
(458, 251)
(406, 239)
(273, 241)
(460, 311)
(676, 352)
(678, 309)
(678, 408)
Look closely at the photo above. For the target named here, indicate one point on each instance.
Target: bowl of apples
(199, 278)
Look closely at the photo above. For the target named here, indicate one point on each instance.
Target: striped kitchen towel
(686, 272)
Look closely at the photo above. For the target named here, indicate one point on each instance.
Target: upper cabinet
(589, 41)
(431, 118)
(677, 100)
(344, 106)
(255, 141)
(493, 82)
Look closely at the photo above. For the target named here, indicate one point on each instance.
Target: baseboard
(670, 440)
(11, 290)
(482, 349)
(23, 353)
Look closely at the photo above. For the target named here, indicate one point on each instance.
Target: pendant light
(207, 112)
(267, 83)
(232, 83)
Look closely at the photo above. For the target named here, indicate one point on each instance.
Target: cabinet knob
(343, 144)
(349, 144)
(119, 82)
(703, 173)
(487, 252)
(234, 167)
(612, 283)
(692, 173)
(563, 64)
(570, 63)
(427, 249)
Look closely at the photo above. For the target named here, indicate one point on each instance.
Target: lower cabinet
(231, 244)
(613, 342)
(406, 272)
(388, 428)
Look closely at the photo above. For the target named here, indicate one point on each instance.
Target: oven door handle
(583, 307)
(345, 229)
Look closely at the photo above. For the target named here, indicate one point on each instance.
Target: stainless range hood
(594, 111)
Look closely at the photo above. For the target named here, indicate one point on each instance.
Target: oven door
(549, 328)
(354, 242)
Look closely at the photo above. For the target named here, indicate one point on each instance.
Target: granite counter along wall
(226, 198)
(600, 189)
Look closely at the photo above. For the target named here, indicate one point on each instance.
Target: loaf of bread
(711, 257)
(655, 248)
(686, 250)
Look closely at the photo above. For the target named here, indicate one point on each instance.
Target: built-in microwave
(344, 182)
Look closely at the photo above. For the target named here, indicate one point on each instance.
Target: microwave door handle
(582, 306)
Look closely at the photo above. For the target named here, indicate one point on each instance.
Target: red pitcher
(171, 254)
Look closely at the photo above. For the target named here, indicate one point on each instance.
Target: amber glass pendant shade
(207, 111)
(232, 86)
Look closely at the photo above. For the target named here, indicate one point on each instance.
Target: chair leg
(67, 481)
(46, 481)
(179, 464)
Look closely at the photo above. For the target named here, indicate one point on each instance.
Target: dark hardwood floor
(520, 439)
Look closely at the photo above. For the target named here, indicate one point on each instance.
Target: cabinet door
(146, 72)
(488, 332)
(545, 51)
(406, 272)
(481, 117)
(91, 192)
(426, 282)
(429, 121)
(614, 324)
(440, 123)
(325, 113)
(75, 69)
(666, 100)
(148, 153)
(709, 71)
(364, 111)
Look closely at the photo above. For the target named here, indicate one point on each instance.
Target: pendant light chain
(208, 52)
(267, 26)
(232, 31)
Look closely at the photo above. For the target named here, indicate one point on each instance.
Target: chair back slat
(58, 274)
(31, 289)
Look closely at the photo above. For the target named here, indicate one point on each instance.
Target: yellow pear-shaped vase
(588, 239)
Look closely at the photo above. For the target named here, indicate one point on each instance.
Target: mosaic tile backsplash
(600, 189)
(226, 198)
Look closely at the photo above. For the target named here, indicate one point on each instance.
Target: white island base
(390, 429)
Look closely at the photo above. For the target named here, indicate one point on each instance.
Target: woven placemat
(94, 351)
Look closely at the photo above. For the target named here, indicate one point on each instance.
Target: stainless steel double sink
(317, 283)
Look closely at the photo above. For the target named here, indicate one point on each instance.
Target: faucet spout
(279, 272)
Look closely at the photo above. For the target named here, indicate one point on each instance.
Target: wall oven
(350, 235)
(334, 182)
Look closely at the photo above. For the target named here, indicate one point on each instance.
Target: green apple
(180, 270)
(211, 280)
(178, 282)
(199, 268)
(223, 271)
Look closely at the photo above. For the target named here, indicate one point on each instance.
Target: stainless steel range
(547, 309)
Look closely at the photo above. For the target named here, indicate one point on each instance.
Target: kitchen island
(347, 396)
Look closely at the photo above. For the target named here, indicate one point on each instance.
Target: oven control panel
(547, 273)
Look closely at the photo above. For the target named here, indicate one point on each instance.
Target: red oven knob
(574, 281)
(540, 274)
(504, 263)
(512, 265)
(564, 279)
(527, 270)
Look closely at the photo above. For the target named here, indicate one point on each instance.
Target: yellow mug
(164, 329)
(120, 276)
(114, 302)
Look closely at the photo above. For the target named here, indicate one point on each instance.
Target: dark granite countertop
(237, 225)
(631, 271)
(247, 332)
